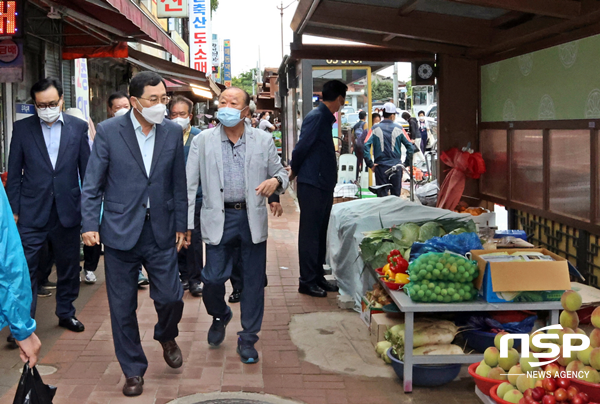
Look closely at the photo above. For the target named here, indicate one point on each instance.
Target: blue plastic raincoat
(15, 285)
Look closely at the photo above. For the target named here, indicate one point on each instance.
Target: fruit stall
(440, 300)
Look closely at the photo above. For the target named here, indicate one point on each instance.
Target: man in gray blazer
(239, 168)
(137, 167)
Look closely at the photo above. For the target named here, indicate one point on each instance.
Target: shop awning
(476, 29)
(176, 74)
(95, 23)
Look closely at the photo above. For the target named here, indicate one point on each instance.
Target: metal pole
(395, 84)
(281, 9)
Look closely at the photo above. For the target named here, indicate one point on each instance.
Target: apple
(584, 397)
(572, 391)
(563, 383)
(577, 400)
(504, 388)
(491, 356)
(571, 300)
(553, 369)
(549, 384)
(511, 342)
(538, 393)
(549, 400)
(513, 396)
(595, 337)
(560, 394)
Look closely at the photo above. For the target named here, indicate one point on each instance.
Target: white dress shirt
(146, 144)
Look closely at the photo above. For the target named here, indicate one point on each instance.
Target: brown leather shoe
(172, 354)
(134, 386)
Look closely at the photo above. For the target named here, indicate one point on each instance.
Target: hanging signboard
(227, 63)
(216, 60)
(82, 89)
(200, 36)
(10, 18)
(172, 8)
(11, 61)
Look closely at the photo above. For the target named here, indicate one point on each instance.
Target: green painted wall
(562, 82)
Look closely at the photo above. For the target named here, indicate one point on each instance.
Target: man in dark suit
(314, 164)
(137, 167)
(49, 153)
(190, 259)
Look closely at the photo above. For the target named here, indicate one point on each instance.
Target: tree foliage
(382, 90)
(244, 81)
(214, 4)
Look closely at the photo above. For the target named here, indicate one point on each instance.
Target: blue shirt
(234, 171)
(146, 144)
(52, 137)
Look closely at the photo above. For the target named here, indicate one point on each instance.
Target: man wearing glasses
(137, 167)
(49, 152)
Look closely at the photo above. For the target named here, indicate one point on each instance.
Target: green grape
(428, 276)
(468, 296)
(461, 292)
(437, 290)
(451, 291)
(439, 266)
(453, 270)
(440, 298)
(444, 292)
(415, 287)
(447, 299)
(420, 293)
(422, 273)
(461, 269)
(433, 297)
(428, 292)
(429, 267)
(431, 286)
(436, 273)
(456, 297)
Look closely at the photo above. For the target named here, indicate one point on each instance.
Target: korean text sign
(200, 36)
(172, 8)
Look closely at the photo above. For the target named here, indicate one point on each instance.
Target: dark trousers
(65, 245)
(191, 260)
(91, 257)
(121, 269)
(236, 272)
(381, 178)
(315, 208)
(47, 261)
(219, 265)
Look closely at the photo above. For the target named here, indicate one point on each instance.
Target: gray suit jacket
(205, 166)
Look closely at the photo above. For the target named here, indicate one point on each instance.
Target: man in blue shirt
(387, 139)
(315, 166)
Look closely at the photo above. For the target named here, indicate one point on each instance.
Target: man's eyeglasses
(52, 104)
(155, 100)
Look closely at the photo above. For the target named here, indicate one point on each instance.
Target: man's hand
(267, 187)
(181, 240)
(91, 238)
(188, 237)
(290, 173)
(30, 349)
(16, 217)
(374, 165)
(276, 209)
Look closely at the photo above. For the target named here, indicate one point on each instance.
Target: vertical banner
(82, 90)
(227, 63)
(216, 60)
(172, 8)
(200, 36)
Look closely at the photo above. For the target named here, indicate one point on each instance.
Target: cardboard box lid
(527, 275)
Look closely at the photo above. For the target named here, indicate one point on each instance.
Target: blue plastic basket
(481, 340)
(426, 375)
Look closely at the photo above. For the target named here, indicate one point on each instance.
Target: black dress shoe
(216, 332)
(327, 286)
(134, 386)
(313, 290)
(235, 296)
(71, 324)
(12, 342)
(195, 289)
(185, 284)
(172, 354)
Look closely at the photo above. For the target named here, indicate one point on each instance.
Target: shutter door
(52, 60)
(67, 75)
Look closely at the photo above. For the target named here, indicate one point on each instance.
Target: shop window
(527, 168)
(570, 173)
(494, 150)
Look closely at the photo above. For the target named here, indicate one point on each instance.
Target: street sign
(9, 51)
(200, 36)
(227, 63)
(82, 89)
(11, 61)
(172, 8)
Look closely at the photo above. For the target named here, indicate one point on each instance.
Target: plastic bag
(32, 390)
(459, 244)
(428, 193)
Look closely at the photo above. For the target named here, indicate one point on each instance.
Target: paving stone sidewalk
(88, 371)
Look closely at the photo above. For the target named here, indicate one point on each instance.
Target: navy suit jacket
(116, 174)
(33, 185)
(313, 158)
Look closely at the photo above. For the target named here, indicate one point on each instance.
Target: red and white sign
(172, 8)
(9, 51)
(200, 36)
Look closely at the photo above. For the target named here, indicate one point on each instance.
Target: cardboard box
(367, 311)
(380, 323)
(527, 281)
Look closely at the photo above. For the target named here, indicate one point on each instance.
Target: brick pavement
(88, 371)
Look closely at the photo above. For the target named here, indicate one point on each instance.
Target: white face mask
(49, 114)
(154, 114)
(422, 118)
(183, 122)
(121, 112)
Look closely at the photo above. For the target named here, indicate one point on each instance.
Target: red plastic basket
(393, 285)
(483, 383)
(591, 389)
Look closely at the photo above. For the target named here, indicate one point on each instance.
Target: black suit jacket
(116, 174)
(33, 185)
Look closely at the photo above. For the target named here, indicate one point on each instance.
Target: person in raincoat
(15, 286)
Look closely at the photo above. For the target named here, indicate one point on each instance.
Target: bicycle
(390, 173)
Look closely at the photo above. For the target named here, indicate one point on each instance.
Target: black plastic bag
(32, 389)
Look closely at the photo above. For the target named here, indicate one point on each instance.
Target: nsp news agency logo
(549, 350)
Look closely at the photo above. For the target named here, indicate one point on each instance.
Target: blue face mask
(229, 116)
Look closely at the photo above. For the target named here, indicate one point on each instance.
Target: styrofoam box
(485, 220)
